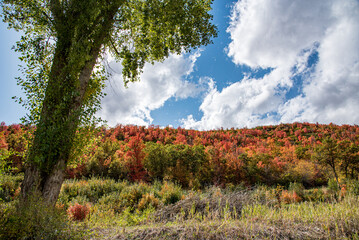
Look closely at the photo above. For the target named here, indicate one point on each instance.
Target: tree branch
(114, 47)
(56, 9)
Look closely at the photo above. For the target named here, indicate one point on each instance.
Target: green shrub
(181, 163)
(92, 189)
(157, 160)
(130, 196)
(148, 200)
(80, 199)
(118, 169)
(9, 186)
(333, 187)
(35, 220)
(170, 193)
(4, 161)
(110, 201)
(99, 162)
(296, 187)
(353, 187)
(315, 195)
(187, 164)
(265, 195)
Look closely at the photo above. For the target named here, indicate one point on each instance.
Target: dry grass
(243, 218)
(212, 205)
(229, 230)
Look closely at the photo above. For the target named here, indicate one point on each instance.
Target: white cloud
(246, 103)
(159, 82)
(271, 33)
(332, 93)
(281, 35)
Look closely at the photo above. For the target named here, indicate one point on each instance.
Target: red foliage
(134, 158)
(180, 139)
(76, 172)
(290, 197)
(3, 143)
(269, 152)
(78, 212)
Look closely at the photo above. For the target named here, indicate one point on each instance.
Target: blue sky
(10, 112)
(274, 61)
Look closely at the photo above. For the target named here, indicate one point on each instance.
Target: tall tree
(349, 152)
(64, 41)
(328, 154)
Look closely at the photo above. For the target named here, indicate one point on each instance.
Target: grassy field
(244, 217)
(108, 209)
(294, 221)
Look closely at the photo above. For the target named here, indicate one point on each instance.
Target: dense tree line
(298, 152)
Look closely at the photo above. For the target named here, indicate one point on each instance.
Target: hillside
(298, 152)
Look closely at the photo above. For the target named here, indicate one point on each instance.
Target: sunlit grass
(305, 220)
(163, 210)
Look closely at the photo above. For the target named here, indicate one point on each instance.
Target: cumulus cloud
(271, 33)
(159, 82)
(331, 95)
(242, 103)
(284, 36)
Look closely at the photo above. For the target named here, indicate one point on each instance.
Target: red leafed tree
(134, 158)
(3, 143)
(180, 139)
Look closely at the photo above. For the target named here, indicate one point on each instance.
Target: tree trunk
(332, 164)
(62, 107)
(54, 137)
(336, 177)
(48, 186)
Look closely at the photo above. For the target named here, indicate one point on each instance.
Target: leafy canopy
(141, 31)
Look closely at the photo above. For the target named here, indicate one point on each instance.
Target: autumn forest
(300, 152)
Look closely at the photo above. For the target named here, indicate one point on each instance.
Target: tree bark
(48, 186)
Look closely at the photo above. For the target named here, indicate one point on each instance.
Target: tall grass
(254, 217)
(163, 210)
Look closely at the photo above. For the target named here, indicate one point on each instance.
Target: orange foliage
(290, 197)
(234, 155)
